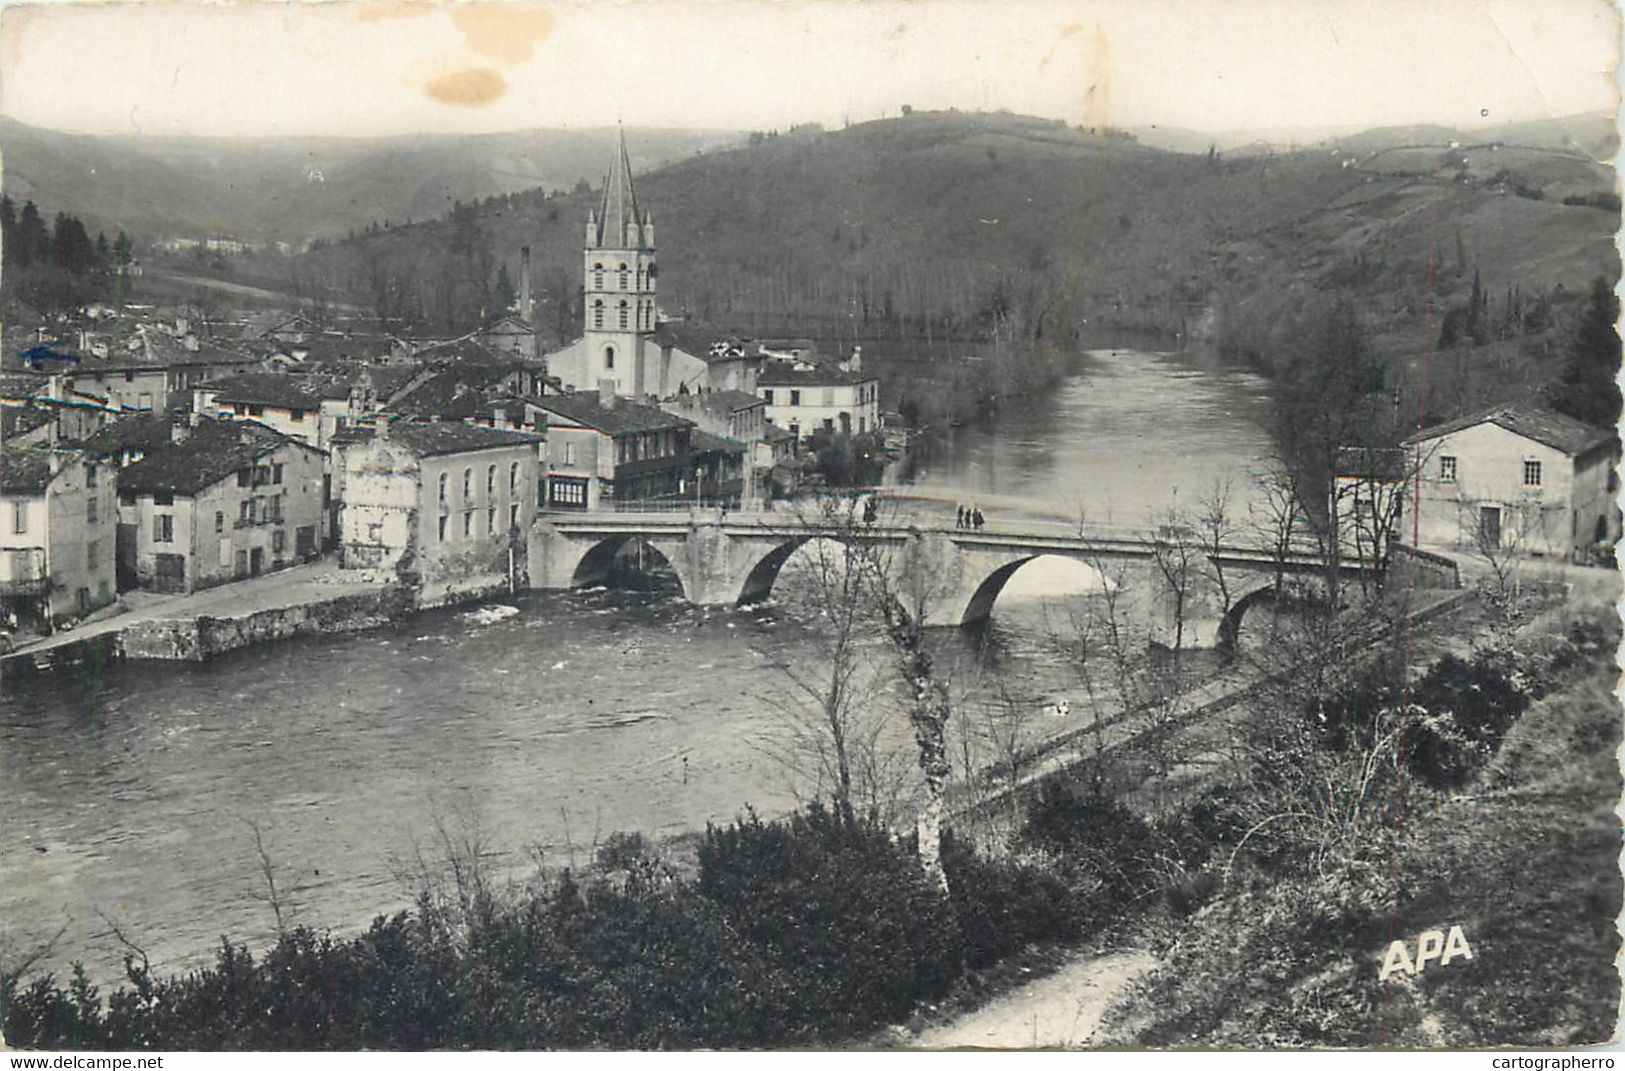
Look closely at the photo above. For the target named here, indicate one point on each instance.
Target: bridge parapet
(726, 557)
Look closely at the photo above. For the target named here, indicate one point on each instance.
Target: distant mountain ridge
(295, 189)
(1594, 135)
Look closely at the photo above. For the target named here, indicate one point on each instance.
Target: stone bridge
(1171, 587)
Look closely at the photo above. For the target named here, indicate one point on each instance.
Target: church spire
(620, 225)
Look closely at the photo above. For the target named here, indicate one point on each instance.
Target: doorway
(1489, 526)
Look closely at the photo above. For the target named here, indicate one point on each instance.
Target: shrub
(1458, 714)
(1003, 905)
(1108, 850)
(838, 906)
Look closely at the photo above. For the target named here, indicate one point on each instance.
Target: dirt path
(1061, 1010)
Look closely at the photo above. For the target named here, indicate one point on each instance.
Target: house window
(569, 453)
(90, 508)
(443, 520)
(468, 523)
(513, 515)
(795, 397)
(443, 478)
(490, 481)
(256, 410)
(163, 528)
(90, 475)
(245, 477)
(490, 520)
(468, 484)
(219, 521)
(92, 554)
(513, 478)
(279, 540)
(276, 473)
(767, 396)
(1531, 474)
(19, 517)
(163, 498)
(296, 416)
(126, 498)
(1447, 469)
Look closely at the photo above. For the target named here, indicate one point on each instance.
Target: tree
(507, 297)
(836, 717)
(1586, 389)
(33, 244)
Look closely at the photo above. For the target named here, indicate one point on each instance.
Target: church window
(623, 314)
(623, 276)
(609, 356)
(597, 276)
(598, 314)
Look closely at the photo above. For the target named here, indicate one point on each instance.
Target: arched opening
(627, 563)
(1270, 610)
(598, 314)
(1050, 577)
(759, 584)
(609, 357)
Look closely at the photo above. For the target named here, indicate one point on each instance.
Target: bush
(838, 906)
(1458, 714)
(1107, 850)
(1004, 905)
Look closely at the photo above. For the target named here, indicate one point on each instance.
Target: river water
(133, 797)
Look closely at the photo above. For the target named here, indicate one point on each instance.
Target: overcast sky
(1214, 65)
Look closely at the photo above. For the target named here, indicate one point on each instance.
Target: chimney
(606, 393)
(526, 310)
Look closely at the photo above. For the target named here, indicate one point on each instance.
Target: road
(1059, 1011)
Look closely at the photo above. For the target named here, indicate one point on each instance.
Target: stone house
(446, 507)
(807, 400)
(222, 501)
(608, 449)
(1516, 477)
(57, 536)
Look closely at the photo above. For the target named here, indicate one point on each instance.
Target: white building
(820, 399)
(1516, 477)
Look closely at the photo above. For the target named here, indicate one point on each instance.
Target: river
(133, 797)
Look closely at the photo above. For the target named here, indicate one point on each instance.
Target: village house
(1519, 478)
(605, 449)
(222, 501)
(510, 336)
(289, 405)
(57, 537)
(808, 400)
(445, 506)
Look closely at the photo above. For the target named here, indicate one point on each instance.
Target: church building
(624, 349)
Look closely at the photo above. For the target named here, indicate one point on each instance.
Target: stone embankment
(307, 600)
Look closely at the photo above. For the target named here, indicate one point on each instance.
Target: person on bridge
(962, 516)
(976, 517)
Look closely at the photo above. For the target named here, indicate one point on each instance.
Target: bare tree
(836, 714)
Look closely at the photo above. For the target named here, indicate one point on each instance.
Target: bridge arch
(1294, 591)
(980, 604)
(596, 562)
(758, 584)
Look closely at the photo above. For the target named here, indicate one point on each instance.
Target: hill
(295, 189)
(948, 223)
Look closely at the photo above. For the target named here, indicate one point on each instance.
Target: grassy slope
(1525, 861)
(937, 204)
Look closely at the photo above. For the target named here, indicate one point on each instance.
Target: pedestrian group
(970, 517)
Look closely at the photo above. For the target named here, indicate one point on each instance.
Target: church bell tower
(619, 273)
